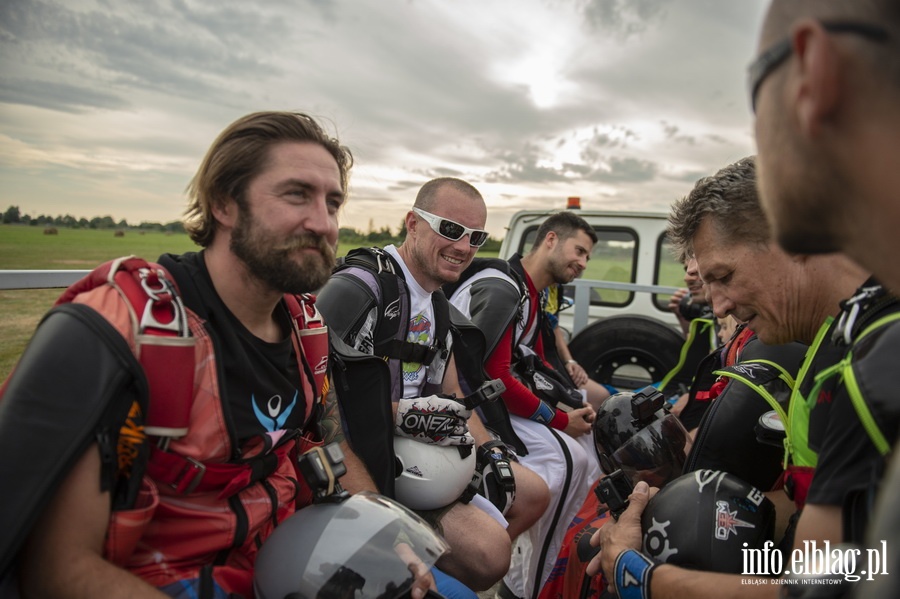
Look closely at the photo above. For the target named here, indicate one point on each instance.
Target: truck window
(613, 259)
(668, 272)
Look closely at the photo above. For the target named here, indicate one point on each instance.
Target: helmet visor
(368, 547)
(656, 454)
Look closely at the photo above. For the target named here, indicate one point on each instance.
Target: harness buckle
(192, 473)
(159, 296)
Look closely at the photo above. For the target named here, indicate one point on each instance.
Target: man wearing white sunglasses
(388, 303)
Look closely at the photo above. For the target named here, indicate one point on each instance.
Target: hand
(579, 376)
(674, 307)
(675, 300)
(614, 537)
(423, 578)
(580, 421)
(680, 405)
(433, 419)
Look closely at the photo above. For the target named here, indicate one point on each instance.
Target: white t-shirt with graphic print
(421, 328)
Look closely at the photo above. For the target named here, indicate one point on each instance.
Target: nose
(462, 244)
(721, 303)
(319, 220)
(691, 274)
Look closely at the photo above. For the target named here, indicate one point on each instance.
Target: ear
(551, 240)
(411, 223)
(816, 93)
(225, 212)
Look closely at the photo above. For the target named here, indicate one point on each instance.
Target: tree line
(14, 216)
(378, 237)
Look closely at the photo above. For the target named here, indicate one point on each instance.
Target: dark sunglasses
(452, 230)
(772, 58)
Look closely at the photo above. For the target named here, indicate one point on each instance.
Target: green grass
(27, 248)
(24, 247)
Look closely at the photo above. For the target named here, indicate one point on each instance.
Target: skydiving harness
(701, 334)
(164, 347)
(859, 318)
(163, 342)
(385, 279)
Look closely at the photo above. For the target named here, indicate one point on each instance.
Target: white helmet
(431, 476)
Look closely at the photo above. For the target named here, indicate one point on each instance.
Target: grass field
(81, 249)
(71, 249)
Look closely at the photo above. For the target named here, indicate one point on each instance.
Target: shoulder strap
(310, 330)
(756, 374)
(695, 342)
(845, 369)
(163, 342)
(392, 298)
(385, 279)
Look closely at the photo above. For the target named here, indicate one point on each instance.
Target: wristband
(571, 362)
(632, 572)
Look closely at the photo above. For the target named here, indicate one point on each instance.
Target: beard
(803, 218)
(801, 192)
(276, 264)
(559, 269)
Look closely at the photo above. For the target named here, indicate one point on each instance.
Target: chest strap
(186, 475)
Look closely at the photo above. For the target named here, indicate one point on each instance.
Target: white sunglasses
(452, 230)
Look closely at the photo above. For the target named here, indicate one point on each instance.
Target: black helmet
(350, 548)
(704, 519)
(633, 432)
(547, 384)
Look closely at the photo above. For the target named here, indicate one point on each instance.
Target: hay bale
(119, 233)
(51, 231)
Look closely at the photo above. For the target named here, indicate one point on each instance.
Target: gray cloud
(57, 95)
(622, 18)
(642, 93)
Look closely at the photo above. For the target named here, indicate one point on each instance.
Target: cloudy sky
(107, 106)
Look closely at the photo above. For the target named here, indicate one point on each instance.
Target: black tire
(627, 352)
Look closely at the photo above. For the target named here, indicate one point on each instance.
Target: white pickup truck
(621, 330)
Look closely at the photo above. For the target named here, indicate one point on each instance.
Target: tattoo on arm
(330, 428)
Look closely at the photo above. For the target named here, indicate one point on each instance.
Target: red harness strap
(187, 475)
(163, 342)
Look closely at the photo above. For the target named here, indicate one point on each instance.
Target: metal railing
(47, 279)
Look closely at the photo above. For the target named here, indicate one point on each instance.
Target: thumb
(637, 501)
(640, 495)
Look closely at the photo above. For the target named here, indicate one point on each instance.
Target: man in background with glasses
(826, 91)
(828, 132)
(388, 303)
(506, 301)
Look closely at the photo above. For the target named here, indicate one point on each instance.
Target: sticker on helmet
(656, 541)
(727, 522)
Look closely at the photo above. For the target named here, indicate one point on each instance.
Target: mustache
(303, 242)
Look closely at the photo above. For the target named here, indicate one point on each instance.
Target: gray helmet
(358, 547)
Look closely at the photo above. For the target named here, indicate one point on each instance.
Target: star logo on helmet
(726, 522)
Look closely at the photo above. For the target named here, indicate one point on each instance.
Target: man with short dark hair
(505, 301)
